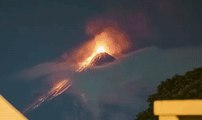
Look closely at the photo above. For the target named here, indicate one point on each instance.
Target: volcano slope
(102, 59)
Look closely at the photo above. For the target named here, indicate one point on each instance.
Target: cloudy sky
(165, 37)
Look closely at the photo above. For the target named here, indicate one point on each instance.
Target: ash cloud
(120, 91)
(162, 23)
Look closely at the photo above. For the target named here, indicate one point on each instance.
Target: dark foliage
(188, 86)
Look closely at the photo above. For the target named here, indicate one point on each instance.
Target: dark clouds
(163, 23)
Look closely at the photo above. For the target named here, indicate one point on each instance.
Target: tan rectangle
(178, 107)
(168, 118)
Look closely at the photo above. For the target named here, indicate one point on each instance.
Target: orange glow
(88, 61)
(57, 89)
(111, 41)
(60, 87)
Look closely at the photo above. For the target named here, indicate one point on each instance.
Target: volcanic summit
(102, 58)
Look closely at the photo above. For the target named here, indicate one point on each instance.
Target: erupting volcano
(102, 58)
(105, 47)
(98, 57)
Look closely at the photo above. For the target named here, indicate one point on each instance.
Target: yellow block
(8, 112)
(178, 107)
(168, 118)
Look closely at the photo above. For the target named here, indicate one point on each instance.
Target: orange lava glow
(111, 41)
(60, 87)
(87, 62)
(57, 89)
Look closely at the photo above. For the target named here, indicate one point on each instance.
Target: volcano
(102, 58)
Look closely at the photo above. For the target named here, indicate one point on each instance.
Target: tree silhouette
(188, 86)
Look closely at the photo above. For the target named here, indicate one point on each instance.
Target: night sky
(165, 37)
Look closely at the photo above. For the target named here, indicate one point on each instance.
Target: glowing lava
(108, 44)
(111, 41)
(88, 61)
(57, 89)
